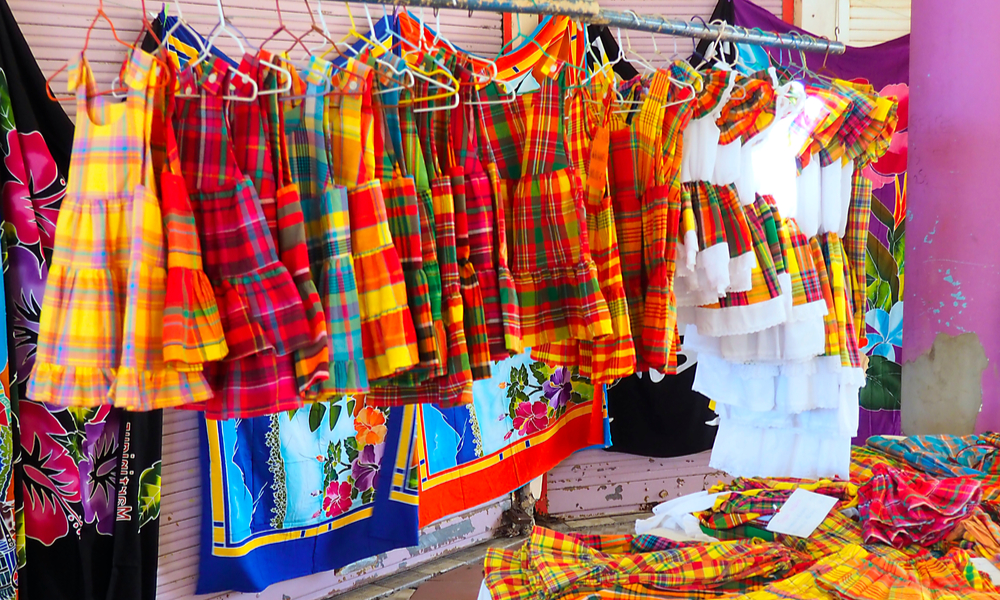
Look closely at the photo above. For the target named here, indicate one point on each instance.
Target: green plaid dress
(556, 278)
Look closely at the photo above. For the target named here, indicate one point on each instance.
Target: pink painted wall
(953, 236)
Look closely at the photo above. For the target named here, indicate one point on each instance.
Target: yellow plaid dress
(101, 331)
(387, 332)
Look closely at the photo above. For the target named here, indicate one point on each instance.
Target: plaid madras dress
(900, 507)
(100, 337)
(262, 312)
(262, 155)
(453, 384)
(455, 387)
(611, 357)
(482, 219)
(403, 209)
(192, 326)
(454, 151)
(661, 213)
(500, 193)
(387, 332)
(625, 193)
(328, 234)
(759, 308)
(413, 160)
(556, 277)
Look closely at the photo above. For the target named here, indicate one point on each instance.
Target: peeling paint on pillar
(943, 387)
(951, 326)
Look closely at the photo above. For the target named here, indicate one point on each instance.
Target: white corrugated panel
(876, 21)
(55, 30)
(674, 9)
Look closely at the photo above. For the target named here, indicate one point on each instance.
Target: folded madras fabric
(552, 565)
(859, 573)
(748, 501)
(976, 456)
(900, 506)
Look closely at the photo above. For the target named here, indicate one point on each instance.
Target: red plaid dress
(661, 215)
(387, 333)
(262, 155)
(555, 275)
(494, 282)
(453, 151)
(456, 385)
(261, 309)
(192, 326)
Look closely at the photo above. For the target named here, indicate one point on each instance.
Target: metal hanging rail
(590, 11)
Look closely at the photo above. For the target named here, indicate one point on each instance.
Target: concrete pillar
(951, 325)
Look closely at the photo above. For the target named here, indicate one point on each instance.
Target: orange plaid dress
(387, 333)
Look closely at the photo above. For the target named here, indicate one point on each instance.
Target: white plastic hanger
(219, 29)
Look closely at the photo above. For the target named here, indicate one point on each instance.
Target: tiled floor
(458, 576)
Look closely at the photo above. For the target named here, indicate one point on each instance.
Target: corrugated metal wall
(55, 31)
(876, 21)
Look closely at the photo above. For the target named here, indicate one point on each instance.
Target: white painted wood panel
(876, 21)
(595, 483)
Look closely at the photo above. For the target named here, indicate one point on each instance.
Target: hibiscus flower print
(531, 417)
(34, 192)
(370, 427)
(884, 331)
(51, 479)
(337, 499)
(893, 162)
(365, 467)
(98, 478)
(559, 388)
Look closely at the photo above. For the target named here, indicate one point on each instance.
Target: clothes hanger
(281, 70)
(418, 53)
(333, 91)
(220, 28)
(63, 97)
(146, 29)
(480, 79)
(451, 92)
(282, 28)
(399, 70)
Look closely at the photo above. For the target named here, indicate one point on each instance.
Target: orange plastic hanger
(63, 97)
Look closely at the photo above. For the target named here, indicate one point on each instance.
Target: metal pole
(589, 11)
(727, 33)
(577, 9)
